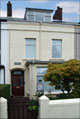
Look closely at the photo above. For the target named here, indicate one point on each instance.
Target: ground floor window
(41, 84)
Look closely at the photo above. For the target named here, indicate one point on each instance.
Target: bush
(5, 90)
(33, 104)
(63, 96)
(60, 97)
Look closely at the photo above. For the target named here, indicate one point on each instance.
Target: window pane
(47, 14)
(20, 81)
(56, 52)
(17, 72)
(41, 84)
(15, 81)
(41, 70)
(31, 17)
(56, 49)
(39, 16)
(30, 48)
(45, 85)
(56, 42)
(30, 51)
(30, 41)
(30, 13)
(47, 19)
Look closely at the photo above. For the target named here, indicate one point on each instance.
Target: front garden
(65, 77)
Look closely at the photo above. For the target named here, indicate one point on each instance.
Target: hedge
(5, 90)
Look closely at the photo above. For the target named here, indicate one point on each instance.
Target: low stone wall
(68, 108)
(3, 108)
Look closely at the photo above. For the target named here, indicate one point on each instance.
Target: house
(29, 44)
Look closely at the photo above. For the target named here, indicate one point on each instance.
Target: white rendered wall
(43, 33)
(68, 108)
(77, 43)
(4, 49)
(3, 108)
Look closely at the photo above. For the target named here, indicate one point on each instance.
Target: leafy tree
(64, 76)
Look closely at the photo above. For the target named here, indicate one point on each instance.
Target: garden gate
(18, 108)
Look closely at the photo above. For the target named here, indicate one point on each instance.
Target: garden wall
(68, 108)
(3, 108)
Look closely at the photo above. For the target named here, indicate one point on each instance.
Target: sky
(71, 8)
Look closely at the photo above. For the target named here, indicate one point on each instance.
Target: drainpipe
(4, 74)
(40, 42)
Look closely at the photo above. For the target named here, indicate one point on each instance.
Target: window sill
(29, 59)
(56, 59)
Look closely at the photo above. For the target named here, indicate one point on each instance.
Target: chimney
(9, 9)
(58, 14)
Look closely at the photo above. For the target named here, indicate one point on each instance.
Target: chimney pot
(9, 9)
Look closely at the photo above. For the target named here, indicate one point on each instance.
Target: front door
(17, 80)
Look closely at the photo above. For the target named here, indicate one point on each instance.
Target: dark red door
(17, 79)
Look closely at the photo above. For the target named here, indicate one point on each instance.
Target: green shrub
(5, 90)
(33, 104)
(60, 97)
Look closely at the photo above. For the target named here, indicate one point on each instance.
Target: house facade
(29, 44)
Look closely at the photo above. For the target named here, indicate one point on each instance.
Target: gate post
(43, 107)
(3, 108)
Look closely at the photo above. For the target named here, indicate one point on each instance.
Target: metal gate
(18, 109)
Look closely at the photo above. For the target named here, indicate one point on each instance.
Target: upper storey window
(57, 48)
(30, 16)
(38, 15)
(30, 48)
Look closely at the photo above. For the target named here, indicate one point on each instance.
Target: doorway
(17, 82)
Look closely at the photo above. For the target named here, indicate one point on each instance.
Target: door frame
(17, 69)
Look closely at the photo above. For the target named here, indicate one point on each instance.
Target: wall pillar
(43, 107)
(3, 108)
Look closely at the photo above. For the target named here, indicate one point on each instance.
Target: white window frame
(52, 92)
(41, 75)
(52, 49)
(34, 12)
(29, 44)
(28, 14)
(45, 15)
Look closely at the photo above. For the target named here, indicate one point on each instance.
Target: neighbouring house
(27, 46)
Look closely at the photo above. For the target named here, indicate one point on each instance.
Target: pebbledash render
(29, 44)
